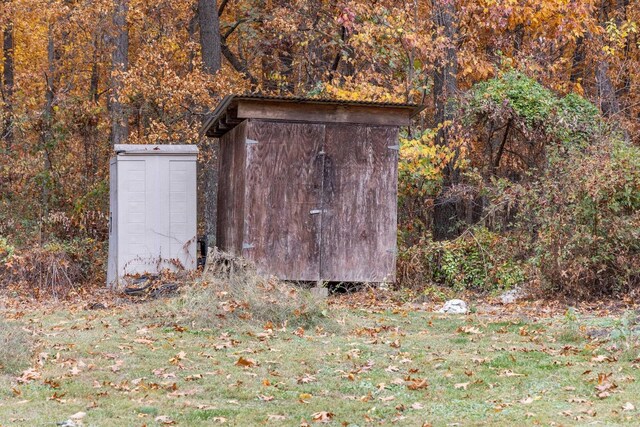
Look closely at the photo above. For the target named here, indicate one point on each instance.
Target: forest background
(522, 171)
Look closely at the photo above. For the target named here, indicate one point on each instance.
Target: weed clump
(15, 347)
(240, 295)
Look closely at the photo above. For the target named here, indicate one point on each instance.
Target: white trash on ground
(454, 306)
(511, 296)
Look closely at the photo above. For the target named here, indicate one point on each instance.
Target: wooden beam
(324, 113)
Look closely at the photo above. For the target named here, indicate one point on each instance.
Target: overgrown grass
(15, 347)
(241, 296)
(123, 367)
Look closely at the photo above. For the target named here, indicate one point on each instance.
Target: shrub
(55, 268)
(585, 215)
(6, 251)
(478, 260)
(15, 347)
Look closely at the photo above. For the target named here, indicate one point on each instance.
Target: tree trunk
(607, 97)
(606, 92)
(47, 131)
(209, 36)
(90, 137)
(445, 88)
(445, 82)
(577, 64)
(211, 48)
(120, 64)
(8, 80)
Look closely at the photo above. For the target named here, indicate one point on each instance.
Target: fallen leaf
(628, 406)
(417, 384)
(306, 379)
(304, 397)
(163, 419)
(246, 363)
(175, 360)
(509, 373)
(182, 393)
(78, 415)
(205, 407)
(28, 375)
(322, 417)
(116, 367)
(469, 330)
(602, 358)
(461, 385)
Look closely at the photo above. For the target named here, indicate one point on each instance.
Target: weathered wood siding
(283, 193)
(310, 201)
(231, 190)
(359, 222)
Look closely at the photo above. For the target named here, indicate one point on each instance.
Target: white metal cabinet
(152, 219)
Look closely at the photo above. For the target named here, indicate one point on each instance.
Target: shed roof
(172, 149)
(233, 109)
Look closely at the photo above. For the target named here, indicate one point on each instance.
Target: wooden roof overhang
(234, 109)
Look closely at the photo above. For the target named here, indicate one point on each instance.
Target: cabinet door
(156, 211)
(360, 191)
(282, 207)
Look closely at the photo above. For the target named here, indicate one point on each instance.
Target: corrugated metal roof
(319, 100)
(222, 107)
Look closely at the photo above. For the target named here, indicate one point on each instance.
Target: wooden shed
(307, 188)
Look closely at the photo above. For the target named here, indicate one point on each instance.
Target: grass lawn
(134, 366)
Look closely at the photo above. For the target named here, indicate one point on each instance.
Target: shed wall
(310, 201)
(231, 190)
(283, 199)
(359, 223)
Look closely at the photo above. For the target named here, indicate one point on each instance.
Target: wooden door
(360, 191)
(282, 208)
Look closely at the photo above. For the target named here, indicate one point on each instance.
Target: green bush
(478, 260)
(6, 250)
(529, 100)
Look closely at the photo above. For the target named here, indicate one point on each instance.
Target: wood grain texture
(360, 194)
(231, 190)
(283, 186)
(324, 113)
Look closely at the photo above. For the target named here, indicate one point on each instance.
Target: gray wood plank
(231, 189)
(324, 113)
(283, 188)
(360, 215)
